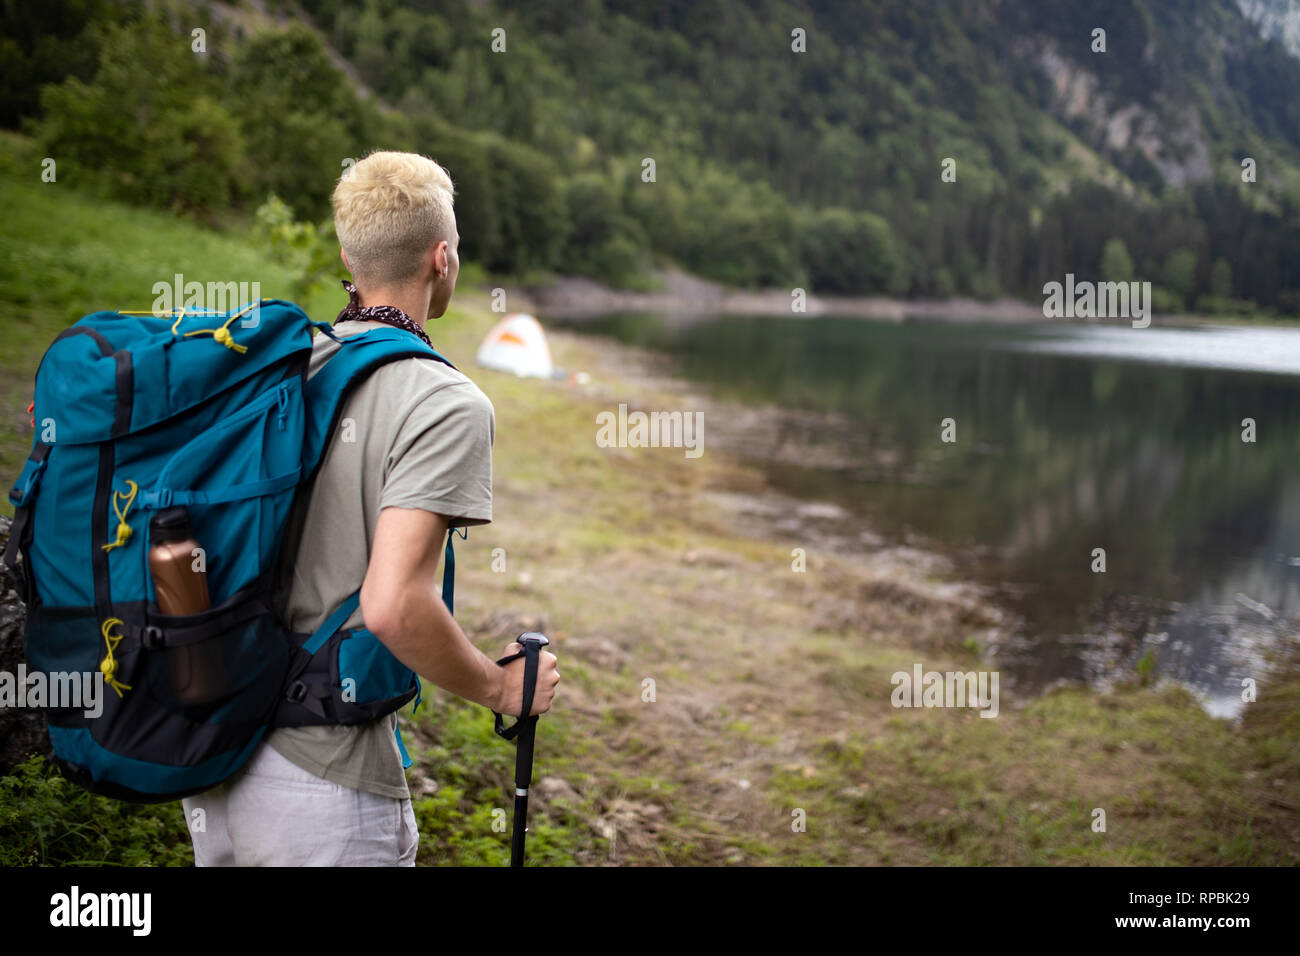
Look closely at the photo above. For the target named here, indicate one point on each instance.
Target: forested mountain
(1278, 19)
(793, 143)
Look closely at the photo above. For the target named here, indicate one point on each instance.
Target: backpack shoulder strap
(327, 392)
(328, 389)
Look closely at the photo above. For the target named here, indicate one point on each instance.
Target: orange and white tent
(517, 344)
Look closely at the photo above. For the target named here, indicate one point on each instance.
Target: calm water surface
(1069, 438)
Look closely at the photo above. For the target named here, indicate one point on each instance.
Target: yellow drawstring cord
(123, 529)
(108, 666)
(222, 334)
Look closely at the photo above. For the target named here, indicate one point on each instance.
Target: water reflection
(1069, 439)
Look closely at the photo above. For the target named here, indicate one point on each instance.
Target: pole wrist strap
(531, 653)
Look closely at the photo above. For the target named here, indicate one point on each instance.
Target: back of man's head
(389, 209)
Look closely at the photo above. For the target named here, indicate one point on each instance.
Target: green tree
(145, 125)
(534, 214)
(740, 232)
(1180, 274)
(310, 250)
(847, 252)
(600, 242)
(44, 43)
(510, 203)
(1116, 263)
(299, 117)
(1221, 279)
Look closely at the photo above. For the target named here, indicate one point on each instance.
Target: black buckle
(151, 637)
(297, 693)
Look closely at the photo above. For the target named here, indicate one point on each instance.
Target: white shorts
(274, 813)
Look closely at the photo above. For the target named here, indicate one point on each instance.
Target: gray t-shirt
(414, 434)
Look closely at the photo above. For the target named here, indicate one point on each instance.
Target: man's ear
(439, 259)
(344, 256)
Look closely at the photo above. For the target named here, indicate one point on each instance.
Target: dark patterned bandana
(388, 314)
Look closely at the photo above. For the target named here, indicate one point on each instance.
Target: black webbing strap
(161, 632)
(19, 537)
(20, 530)
(310, 692)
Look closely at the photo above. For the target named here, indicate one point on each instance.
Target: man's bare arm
(402, 607)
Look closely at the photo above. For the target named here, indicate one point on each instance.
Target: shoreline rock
(22, 730)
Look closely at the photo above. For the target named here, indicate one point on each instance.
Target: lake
(1068, 438)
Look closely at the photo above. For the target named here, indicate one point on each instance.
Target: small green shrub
(47, 821)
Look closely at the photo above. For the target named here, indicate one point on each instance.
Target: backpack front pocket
(157, 721)
(225, 665)
(237, 481)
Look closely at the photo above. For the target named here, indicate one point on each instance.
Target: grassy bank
(712, 696)
(773, 687)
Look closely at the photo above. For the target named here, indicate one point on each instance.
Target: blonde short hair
(389, 208)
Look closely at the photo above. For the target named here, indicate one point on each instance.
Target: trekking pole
(525, 729)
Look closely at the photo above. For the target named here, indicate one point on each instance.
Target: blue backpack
(213, 413)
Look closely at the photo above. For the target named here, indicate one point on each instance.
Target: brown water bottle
(181, 590)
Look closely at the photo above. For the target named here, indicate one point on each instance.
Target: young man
(418, 461)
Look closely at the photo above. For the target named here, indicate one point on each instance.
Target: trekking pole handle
(531, 644)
